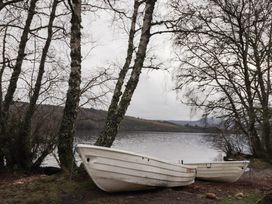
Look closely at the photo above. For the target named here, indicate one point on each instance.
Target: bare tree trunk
(3, 69)
(3, 5)
(1, 94)
(254, 138)
(110, 130)
(263, 95)
(267, 111)
(14, 78)
(24, 141)
(118, 87)
(223, 49)
(256, 144)
(67, 128)
(50, 148)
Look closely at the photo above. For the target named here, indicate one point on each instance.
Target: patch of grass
(251, 199)
(51, 189)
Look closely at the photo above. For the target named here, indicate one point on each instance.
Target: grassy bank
(59, 189)
(44, 189)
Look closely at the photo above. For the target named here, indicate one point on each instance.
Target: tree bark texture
(14, 79)
(4, 4)
(112, 110)
(24, 138)
(67, 128)
(1, 93)
(109, 132)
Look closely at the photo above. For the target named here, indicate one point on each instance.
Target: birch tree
(14, 79)
(226, 54)
(121, 101)
(24, 136)
(67, 128)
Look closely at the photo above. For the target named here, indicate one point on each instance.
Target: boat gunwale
(132, 154)
(138, 163)
(220, 162)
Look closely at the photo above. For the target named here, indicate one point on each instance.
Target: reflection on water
(171, 146)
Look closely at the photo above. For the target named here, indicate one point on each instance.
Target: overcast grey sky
(154, 97)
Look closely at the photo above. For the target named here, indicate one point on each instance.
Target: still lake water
(171, 146)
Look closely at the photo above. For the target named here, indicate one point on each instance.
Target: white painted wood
(115, 170)
(225, 171)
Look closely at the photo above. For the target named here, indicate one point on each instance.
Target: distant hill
(208, 123)
(93, 120)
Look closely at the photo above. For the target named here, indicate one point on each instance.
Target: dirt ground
(44, 189)
(257, 181)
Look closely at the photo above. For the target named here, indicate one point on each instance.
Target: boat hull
(225, 171)
(115, 170)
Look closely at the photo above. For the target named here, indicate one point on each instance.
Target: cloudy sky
(154, 97)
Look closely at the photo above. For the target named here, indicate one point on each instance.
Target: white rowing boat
(115, 170)
(225, 171)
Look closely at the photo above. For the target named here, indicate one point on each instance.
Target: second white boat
(221, 171)
(115, 170)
